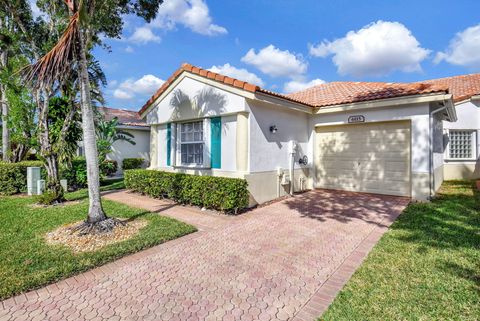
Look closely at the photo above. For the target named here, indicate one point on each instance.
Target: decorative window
(191, 143)
(462, 144)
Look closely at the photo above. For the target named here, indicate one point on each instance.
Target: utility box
(64, 184)
(41, 186)
(33, 176)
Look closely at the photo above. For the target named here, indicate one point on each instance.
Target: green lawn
(426, 267)
(27, 262)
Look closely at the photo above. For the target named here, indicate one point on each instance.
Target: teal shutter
(216, 142)
(169, 143)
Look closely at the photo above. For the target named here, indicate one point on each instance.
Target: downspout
(293, 148)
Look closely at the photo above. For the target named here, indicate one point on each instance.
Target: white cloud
(121, 94)
(294, 85)
(375, 50)
(143, 35)
(275, 62)
(129, 49)
(239, 73)
(129, 88)
(463, 49)
(192, 14)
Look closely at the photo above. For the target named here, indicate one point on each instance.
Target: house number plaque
(356, 119)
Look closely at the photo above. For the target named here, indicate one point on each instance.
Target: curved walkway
(280, 262)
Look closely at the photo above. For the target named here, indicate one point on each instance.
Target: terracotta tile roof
(125, 117)
(336, 93)
(214, 76)
(461, 87)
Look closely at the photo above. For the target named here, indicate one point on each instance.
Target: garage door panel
(371, 158)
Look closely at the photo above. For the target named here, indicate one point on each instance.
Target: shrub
(219, 193)
(47, 198)
(76, 173)
(132, 163)
(13, 176)
(108, 167)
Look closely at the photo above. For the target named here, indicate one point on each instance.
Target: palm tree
(109, 133)
(67, 56)
(87, 19)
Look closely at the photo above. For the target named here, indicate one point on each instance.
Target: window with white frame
(191, 143)
(461, 144)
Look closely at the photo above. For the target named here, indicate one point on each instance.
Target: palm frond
(57, 64)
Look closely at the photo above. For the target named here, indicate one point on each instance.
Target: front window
(191, 143)
(462, 144)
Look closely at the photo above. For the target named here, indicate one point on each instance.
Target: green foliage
(13, 176)
(28, 262)
(58, 111)
(220, 193)
(76, 172)
(108, 167)
(107, 133)
(132, 163)
(47, 198)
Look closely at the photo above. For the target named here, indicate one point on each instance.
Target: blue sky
(287, 45)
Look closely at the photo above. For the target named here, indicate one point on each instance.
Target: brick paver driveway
(279, 262)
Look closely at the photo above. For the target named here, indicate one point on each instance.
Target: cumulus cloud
(129, 88)
(375, 50)
(275, 62)
(294, 85)
(143, 35)
(463, 49)
(129, 49)
(239, 73)
(192, 14)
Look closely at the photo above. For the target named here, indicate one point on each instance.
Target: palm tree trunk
(95, 211)
(4, 103)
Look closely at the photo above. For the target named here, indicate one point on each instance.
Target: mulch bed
(93, 242)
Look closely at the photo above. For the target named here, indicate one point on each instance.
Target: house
(462, 153)
(131, 122)
(371, 137)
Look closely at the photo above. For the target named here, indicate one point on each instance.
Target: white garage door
(373, 158)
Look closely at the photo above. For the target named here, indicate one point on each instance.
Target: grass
(27, 262)
(426, 267)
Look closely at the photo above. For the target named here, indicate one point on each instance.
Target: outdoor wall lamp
(273, 129)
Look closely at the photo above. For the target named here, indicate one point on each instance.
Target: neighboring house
(462, 154)
(129, 121)
(368, 137)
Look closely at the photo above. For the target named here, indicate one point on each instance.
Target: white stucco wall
(269, 151)
(122, 149)
(192, 99)
(468, 114)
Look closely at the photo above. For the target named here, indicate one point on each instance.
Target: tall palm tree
(67, 56)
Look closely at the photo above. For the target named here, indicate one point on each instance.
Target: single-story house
(462, 153)
(131, 122)
(370, 137)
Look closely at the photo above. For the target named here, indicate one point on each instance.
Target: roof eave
(387, 102)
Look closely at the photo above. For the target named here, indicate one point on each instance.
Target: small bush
(132, 163)
(47, 198)
(76, 174)
(108, 167)
(219, 193)
(13, 176)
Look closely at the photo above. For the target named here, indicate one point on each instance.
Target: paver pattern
(278, 262)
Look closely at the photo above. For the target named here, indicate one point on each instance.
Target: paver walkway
(279, 262)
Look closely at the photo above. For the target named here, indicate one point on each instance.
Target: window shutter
(169, 143)
(216, 142)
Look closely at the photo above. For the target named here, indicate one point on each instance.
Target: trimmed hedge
(13, 176)
(132, 163)
(219, 193)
